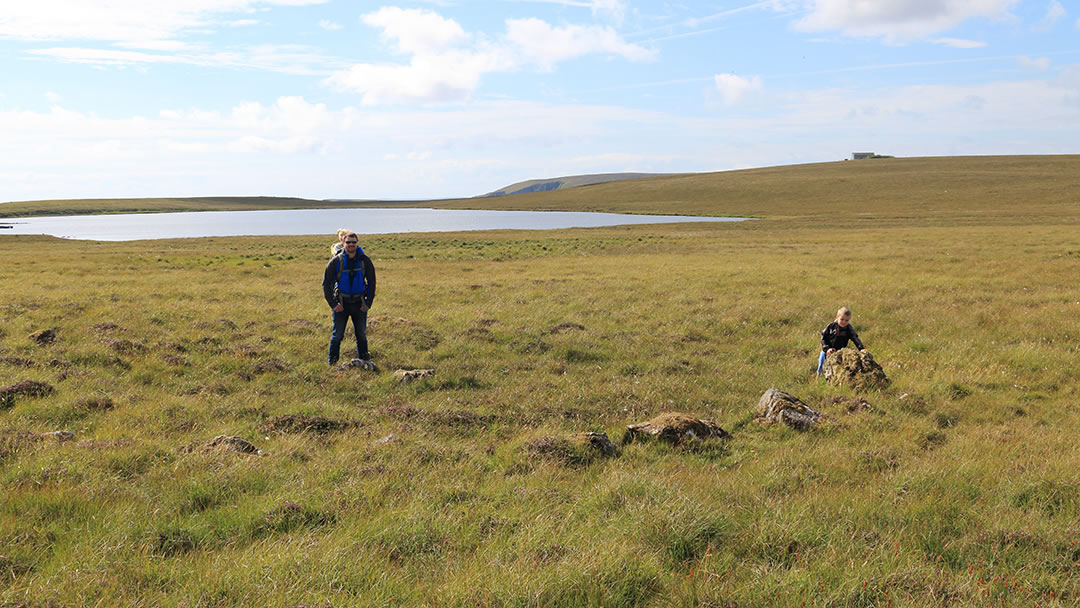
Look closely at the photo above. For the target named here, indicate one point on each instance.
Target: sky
(329, 99)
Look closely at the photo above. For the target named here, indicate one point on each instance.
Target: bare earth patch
(561, 327)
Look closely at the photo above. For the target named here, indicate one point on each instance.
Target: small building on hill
(862, 155)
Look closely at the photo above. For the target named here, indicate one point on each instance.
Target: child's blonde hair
(843, 312)
(342, 233)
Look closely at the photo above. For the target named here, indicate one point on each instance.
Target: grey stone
(362, 364)
(60, 436)
(408, 375)
(385, 440)
(43, 337)
(776, 406)
(675, 428)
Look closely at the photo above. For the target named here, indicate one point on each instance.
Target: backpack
(356, 285)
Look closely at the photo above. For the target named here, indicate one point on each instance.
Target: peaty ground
(958, 486)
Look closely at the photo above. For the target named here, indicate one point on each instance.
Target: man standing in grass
(349, 288)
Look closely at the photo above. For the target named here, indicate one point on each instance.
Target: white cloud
(287, 145)
(898, 20)
(154, 45)
(1054, 13)
(959, 43)
(446, 77)
(736, 88)
(328, 25)
(611, 9)
(286, 59)
(766, 4)
(416, 31)
(104, 56)
(546, 45)
(1038, 64)
(447, 64)
(53, 97)
(120, 20)
(296, 147)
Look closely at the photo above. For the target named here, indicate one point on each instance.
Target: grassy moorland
(959, 486)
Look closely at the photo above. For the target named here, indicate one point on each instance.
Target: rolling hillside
(572, 181)
(945, 187)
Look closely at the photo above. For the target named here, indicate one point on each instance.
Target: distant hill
(572, 181)
(954, 189)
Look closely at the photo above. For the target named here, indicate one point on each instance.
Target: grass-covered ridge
(960, 486)
(953, 188)
(154, 205)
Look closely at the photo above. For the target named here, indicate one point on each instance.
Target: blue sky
(445, 98)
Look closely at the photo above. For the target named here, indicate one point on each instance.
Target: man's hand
(364, 307)
(338, 308)
(830, 351)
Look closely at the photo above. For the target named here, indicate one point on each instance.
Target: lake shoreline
(298, 222)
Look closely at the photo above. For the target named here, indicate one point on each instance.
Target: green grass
(958, 487)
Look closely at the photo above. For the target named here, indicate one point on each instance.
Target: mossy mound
(575, 450)
(854, 368)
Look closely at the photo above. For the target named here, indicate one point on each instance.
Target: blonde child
(339, 246)
(836, 335)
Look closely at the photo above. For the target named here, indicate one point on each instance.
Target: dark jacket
(330, 276)
(834, 336)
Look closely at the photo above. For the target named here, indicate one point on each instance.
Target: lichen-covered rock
(408, 375)
(776, 406)
(854, 368)
(391, 438)
(675, 428)
(43, 337)
(58, 436)
(600, 441)
(361, 364)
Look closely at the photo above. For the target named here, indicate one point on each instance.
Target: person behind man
(836, 335)
(339, 246)
(349, 289)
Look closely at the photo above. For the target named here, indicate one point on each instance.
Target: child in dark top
(836, 335)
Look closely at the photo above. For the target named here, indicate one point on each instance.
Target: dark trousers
(359, 321)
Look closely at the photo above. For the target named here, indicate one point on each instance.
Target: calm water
(130, 227)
